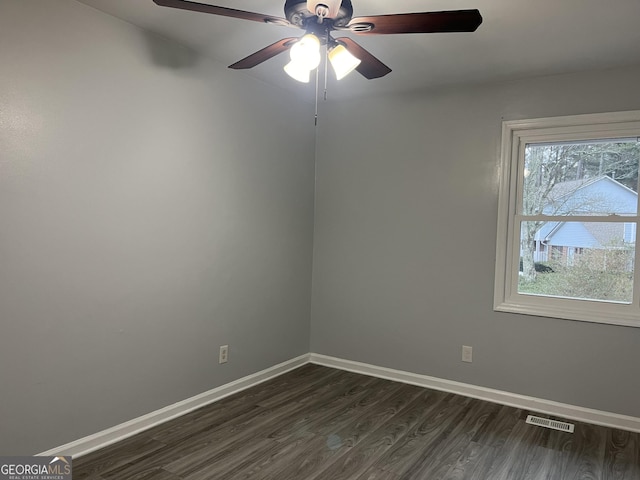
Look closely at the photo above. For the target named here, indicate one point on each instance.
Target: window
(568, 218)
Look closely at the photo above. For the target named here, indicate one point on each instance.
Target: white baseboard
(115, 434)
(548, 407)
(124, 430)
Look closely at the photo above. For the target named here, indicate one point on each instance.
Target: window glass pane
(589, 261)
(587, 178)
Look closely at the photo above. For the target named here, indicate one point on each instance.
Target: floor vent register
(554, 424)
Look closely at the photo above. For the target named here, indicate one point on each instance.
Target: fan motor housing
(297, 12)
(324, 8)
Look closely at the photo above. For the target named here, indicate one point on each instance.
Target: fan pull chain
(326, 67)
(317, 87)
(326, 77)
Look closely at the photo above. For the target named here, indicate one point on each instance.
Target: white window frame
(515, 135)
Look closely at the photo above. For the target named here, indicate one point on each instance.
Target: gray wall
(153, 206)
(404, 246)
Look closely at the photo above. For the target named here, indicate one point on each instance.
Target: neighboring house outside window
(568, 218)
(568, 239)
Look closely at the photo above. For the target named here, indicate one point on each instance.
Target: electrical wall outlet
(467, 354)
(224, 354)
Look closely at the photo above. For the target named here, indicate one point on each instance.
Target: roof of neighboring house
(599, 195)
(606, 234)
(562, 189)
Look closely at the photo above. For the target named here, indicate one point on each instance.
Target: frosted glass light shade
(297, 71)
(306, 51)
(342, 61)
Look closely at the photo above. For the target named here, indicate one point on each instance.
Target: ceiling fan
(319, 18)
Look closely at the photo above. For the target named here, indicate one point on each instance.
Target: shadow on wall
(168, 54)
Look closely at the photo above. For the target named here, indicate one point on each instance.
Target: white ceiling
(518, 38)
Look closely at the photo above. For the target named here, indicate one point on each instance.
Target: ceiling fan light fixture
(342, 61)
(297, 71)
(306, 52)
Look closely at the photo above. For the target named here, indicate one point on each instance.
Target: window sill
(589, 313)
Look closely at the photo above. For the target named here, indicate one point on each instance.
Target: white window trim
(515, 134)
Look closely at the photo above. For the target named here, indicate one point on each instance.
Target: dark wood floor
(317, 423)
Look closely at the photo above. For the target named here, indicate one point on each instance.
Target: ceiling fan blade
(427, 22)
(225, 12)
(265, 54)
(370, 67)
